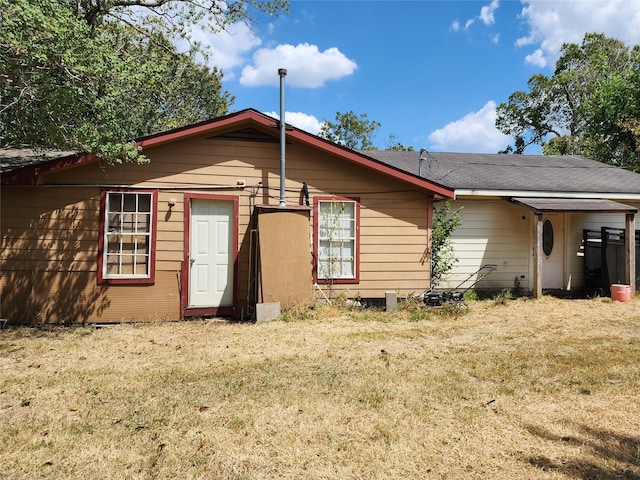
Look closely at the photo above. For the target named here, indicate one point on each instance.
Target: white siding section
(492, 232)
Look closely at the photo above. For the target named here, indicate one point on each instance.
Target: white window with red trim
(336, 226)
(128, 237)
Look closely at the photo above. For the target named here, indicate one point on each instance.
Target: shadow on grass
(614, 456)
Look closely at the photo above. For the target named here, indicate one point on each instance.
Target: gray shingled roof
(526, 173)
(14, 158)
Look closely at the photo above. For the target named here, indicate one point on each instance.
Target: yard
(536, 389)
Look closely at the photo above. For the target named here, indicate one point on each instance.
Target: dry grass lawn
(535, 389)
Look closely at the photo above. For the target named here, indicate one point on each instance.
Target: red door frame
(185, 310)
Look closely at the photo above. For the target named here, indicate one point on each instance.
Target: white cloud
(524, 41)
(226, 48)
(552, 23)
(537, 58)
(306, 66)
(300, 120)
(474, 133)
(486, 16)
(487, 11)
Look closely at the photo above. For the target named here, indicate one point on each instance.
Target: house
(208, 227)
(530, 215)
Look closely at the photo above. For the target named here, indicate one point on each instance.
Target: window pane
(113, 244)
(142, 245)
(322, 269)
(346, 269)
(127, 244)
(130, 203)
(113, 264)
(128, 222)
(323, 249)
(126, 267)
(114, 203)
(324, 222)
(347, 249)
(349, 213)
(144, 203)
(144, 222)
(113, 222)
(141, 266)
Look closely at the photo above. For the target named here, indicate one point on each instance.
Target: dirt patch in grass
(539, 389)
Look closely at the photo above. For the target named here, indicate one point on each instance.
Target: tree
(350, 130)
(589, 106)
(394, 145)
(93, 75)
(611, 129)
(442, 254)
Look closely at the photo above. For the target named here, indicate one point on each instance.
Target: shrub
(442, 254)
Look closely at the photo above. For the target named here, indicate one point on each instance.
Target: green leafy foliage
(350, 130)
(394, 145)
(93, 75)
(590, 106)
(443, 257)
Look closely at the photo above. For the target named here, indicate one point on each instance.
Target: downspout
(283, 202)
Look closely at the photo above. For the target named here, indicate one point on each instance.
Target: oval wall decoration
(547, 237)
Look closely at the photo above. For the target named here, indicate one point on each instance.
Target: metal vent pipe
(283, 202)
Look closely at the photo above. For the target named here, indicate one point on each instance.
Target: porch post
(537, 256)
(630, 252)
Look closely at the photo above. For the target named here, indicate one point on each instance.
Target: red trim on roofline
(361, 159)
(244, 116)
(29, 175)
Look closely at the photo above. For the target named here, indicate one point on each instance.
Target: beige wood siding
(49, 261)
(55, 229)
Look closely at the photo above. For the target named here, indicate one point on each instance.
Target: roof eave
(471, 192)
(573, 205)
(29, 175)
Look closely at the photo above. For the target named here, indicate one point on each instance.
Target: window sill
(126, 281)
(338, 281)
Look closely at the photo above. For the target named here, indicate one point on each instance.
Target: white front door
(552, 251)
(211, 253)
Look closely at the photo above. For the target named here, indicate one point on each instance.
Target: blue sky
(431, 72)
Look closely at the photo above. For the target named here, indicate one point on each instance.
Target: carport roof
(574, 205)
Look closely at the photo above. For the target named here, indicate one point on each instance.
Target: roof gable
(246, 135)
(247, 125)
